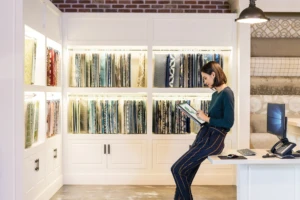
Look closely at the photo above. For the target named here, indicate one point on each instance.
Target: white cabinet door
(49, 165)
(53, 159)
(41, 172)
(86, 156)
(57, 150)
(166, 152)
(128, 154)
(35, 173)
(29, 177)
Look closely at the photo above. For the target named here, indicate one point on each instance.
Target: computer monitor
(276, 120)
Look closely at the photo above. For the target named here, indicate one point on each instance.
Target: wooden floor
(68, 192)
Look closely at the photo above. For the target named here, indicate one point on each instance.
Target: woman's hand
(200, 114)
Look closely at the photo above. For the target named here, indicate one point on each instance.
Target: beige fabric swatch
(29, 59)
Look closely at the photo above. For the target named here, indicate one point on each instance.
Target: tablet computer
(190, 112)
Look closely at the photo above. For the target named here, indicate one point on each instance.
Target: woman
(210, 138)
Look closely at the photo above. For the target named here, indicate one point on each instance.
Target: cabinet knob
(55, 153)
(109, 149)
(37, 163)
(105, 149)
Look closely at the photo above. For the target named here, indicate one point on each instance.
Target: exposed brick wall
(144, 6)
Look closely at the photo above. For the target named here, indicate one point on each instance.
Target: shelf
(106, 90)
(130, 136)
(36, 147)
(40, 88)
(83, 136)
(53, 137)
(182, 90)
(173, 136)
(140, 90)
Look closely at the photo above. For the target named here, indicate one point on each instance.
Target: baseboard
(144, 179)
(51, 189)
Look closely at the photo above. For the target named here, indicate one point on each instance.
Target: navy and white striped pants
(209, 141)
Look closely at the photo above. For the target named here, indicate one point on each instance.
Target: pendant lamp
(252, 15)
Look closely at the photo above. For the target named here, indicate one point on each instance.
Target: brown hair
(220, 77)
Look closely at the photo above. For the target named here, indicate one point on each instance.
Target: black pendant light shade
(252, 15)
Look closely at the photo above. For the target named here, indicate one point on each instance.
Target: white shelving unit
(43, 159)
(131, 29)
(146, 158)
(149, 30)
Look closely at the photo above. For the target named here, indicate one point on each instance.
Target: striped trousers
(209, 141)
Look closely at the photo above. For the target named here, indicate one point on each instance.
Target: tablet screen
(191, 112)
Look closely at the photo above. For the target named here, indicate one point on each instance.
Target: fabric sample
(268, 85)
(168, 119)
(83, 70)
(277, 28)
(275, 66)
(171, 77)
(103, 70)
(167, 71)
(186, 71)
(29, 61)
(88, 62)
(177, 71)
(128, 71)
(117, 68)
(53, 117)
(31, 110)
(141, 82)
(109, 70)
(279, 47)
(83, 109)
(77, 70)
(95, 70)
(181, 71)
(160, 70)
(53, 61)
(199, 76)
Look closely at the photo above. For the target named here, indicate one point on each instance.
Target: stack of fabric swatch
(29, 60)
(181, 70)
(204, 105)
(135, 117)
(53, 62)
(97, 116)
(31, 122)
(52, 117)
(105, 70)
(168, 119)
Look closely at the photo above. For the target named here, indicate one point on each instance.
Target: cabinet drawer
(35, 173)
(53, 159)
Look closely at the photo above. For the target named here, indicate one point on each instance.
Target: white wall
(243, 95)
(11, 59)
